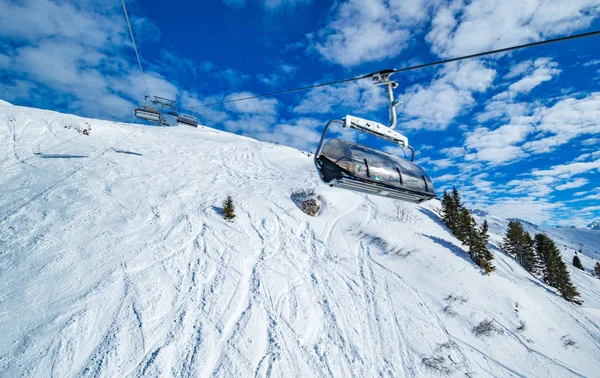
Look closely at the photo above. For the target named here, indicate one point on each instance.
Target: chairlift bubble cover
(366, 164)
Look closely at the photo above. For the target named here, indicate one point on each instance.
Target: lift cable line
(135, 47)
(430, 64)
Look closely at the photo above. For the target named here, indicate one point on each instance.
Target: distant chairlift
(188, 119)
(148, 113)
(156, 113)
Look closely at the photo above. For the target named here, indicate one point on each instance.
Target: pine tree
(530, 260)
(451, 208)
(565, 286)
(577, 263)
(483, 256)
(547, 259)
(512, 242)
(597, 269)
(466, 225)
(228, 209)
(554, 270)
(519, 244)
(448, 212)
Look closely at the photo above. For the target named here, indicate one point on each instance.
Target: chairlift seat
(187, 120)
(354, 166)
(148, 113)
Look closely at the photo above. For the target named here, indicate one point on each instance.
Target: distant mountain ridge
(595, 225)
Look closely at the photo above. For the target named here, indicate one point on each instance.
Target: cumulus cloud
(569, 169)
(365, 31)
(543, 70)
(469, 27)
(300, 133)
(360, 96)
(564, 121)
(498, 145)
(530, 209)
(436, 105)
(577, 183)
(252, 106)
(74, 49)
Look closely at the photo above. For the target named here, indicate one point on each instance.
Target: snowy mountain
(595, 225)
(116, 261)
(526, 223)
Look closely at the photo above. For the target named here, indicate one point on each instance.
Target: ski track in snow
(119, 263)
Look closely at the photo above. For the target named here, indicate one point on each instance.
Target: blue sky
(517, 133)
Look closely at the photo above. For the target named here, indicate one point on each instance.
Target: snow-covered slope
(115, 261)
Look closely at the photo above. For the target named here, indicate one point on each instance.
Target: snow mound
(5, 103)
(116, 261)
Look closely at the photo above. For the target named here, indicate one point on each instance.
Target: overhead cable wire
(430, 64)
(135, 47)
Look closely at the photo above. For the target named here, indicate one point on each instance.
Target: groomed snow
(115, 261)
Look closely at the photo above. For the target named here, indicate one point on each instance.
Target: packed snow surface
(116, 261)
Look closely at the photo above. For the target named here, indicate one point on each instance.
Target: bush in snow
(597, 269)
(522, 326)
(577, 263)
(449, 310)
(486, 328)
(445, 360)
(568, 342)
(228, 209)
(307, 201)
(405, 212)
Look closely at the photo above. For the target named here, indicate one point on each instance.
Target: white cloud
(451, 93)
(368, 30)
(592, 63)
(533, 210)
(565, 121)
(569, 169)
(577, 183)
(33, 20)
(360, 97)
(499, 145)
(544, 70)
(74, 50)
(469, 27)
(301, 133)
(271, 80)
(252, 106)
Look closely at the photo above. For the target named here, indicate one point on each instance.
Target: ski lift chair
(148, 113)
(356, 167)
(188, 119)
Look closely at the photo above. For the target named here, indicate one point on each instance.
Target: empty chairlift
(188, 119)
(356, 167)
(148, 113)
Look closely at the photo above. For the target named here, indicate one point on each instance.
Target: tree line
(458, 219)
(539, 255)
